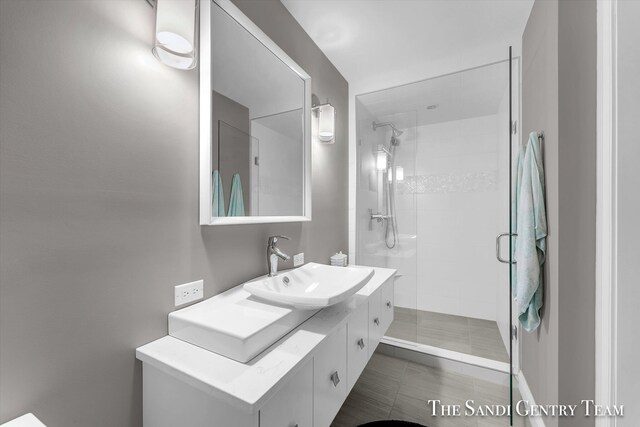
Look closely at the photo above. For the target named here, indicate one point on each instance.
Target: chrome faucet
(273, 253)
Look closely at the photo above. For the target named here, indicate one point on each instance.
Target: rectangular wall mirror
(255, 124)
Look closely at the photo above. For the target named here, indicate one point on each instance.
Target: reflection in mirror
(235, 151)
(280, 164)
(258, 150)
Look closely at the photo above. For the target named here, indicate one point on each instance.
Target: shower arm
(396, 131)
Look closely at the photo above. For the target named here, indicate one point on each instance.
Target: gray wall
(628, 200)
(99, 201)
(540, 113)
(577, 58)
(559, 97)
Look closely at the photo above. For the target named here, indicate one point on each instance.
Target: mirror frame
(206, 127)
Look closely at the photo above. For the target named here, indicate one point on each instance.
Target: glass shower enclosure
(433, 194)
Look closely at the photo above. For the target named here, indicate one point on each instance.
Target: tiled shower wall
(456, 187)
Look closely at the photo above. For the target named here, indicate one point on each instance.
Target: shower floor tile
(457, 333)
(408, 387)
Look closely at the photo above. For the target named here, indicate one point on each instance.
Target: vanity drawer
(291, 406)
(375, 322)
(330, 377)
(357, 344)
(387, 304)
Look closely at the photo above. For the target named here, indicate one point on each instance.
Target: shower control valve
(378, 216)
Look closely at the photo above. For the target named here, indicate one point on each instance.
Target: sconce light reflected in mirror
(399, 174)
(176, 33)
(325, 115)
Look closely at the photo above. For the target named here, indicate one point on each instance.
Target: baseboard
(437, 361)
(448, 354)
(526, 394)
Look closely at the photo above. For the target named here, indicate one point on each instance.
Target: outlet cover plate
(298, 259)
(189, 292)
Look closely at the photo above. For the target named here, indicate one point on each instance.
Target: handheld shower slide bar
(389, 216)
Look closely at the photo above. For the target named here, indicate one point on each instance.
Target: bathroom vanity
(300, 380)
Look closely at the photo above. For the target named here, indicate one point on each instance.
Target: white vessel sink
(312, 286)
(235, 324)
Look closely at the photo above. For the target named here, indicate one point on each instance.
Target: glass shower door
(514, 140)
(509, 138)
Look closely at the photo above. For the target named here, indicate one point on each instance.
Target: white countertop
(28, 420)
(248, 386)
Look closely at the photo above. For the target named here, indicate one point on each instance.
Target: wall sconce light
(326, 116)
(176, 33)
(382, 160)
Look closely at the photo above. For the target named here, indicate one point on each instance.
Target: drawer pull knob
(335, 379)
(361, 343)
(388, 304)
(376, 321)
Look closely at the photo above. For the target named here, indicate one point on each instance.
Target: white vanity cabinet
(380, 314)
(292, 406)
(330, 377)
(375, 323)
(301, 380)
(357, 344)
(386, 305)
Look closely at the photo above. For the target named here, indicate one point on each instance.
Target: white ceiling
(471, 93)
(381, 43)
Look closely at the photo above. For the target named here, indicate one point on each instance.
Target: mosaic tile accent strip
(471, 182)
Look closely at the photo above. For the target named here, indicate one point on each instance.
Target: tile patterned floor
(392, 388)
(463, 334)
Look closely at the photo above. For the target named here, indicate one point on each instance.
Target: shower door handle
(498, 239)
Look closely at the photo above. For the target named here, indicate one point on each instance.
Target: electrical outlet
(298, 259)
(189, 292)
